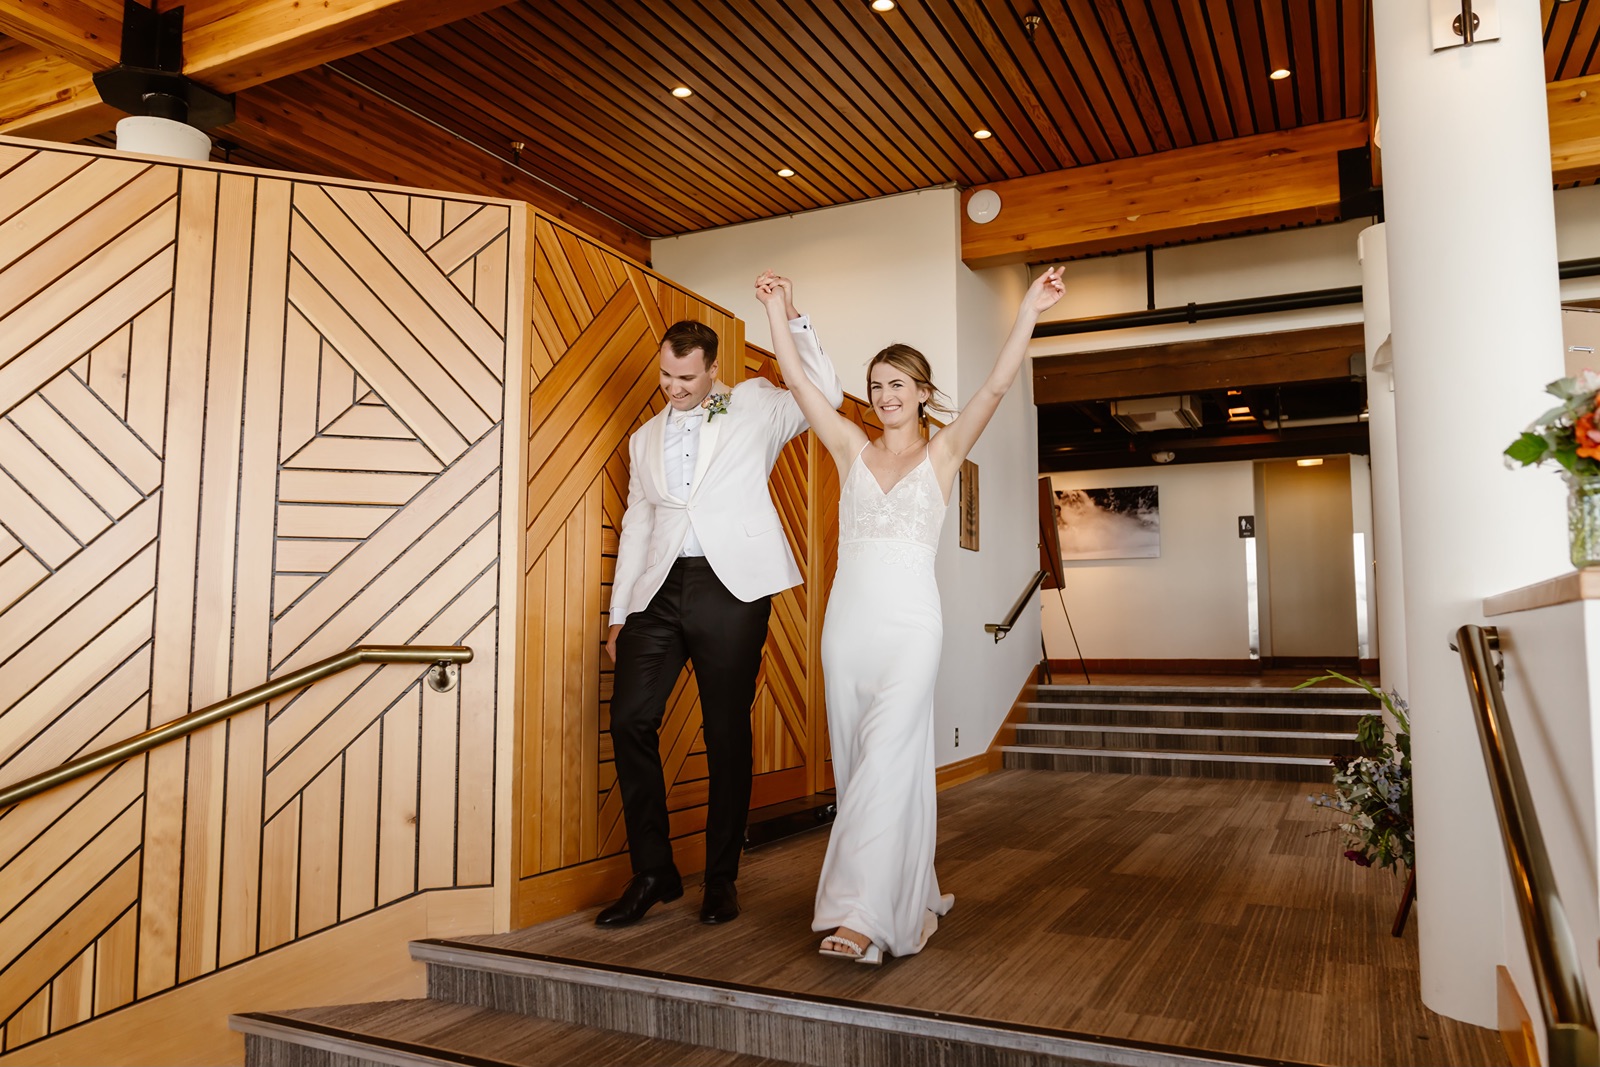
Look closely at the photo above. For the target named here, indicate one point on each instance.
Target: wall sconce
(1463, 22)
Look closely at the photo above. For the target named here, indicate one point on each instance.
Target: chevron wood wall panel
(245, 423)
(597, 324)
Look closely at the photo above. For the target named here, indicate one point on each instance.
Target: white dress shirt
(680, 448)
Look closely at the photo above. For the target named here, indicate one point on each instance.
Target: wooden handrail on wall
(1557, 973)
(442, 676)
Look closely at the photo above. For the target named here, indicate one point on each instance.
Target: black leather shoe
(720, 904)
(643, 891)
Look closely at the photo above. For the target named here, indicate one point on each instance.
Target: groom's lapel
(655, 454)
(710, 430)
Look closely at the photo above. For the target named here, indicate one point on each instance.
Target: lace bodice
(911, 512)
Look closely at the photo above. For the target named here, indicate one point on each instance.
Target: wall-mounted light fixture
(1455, 23)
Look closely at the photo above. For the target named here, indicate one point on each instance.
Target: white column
(1474, 306)
(1372, 251)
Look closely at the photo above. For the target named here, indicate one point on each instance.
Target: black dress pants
(691, 618)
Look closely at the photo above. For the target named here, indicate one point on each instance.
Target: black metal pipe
(1580, 268)
(1253, 305)
(1221, 309)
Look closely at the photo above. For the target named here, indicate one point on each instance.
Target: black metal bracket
(150, 79)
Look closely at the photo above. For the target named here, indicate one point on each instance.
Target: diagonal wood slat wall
(245, 422)
(597, 324)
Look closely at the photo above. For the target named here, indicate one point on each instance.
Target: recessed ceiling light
(982, 135)
(1308, 462)
(1279, 74)
(882, 5)
(682, 91)
(785, 172)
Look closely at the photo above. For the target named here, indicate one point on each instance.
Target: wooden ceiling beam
(328, 124)
(229, 46)
(1320, 354)
(48, 97)
(1268, 180)
(1574, 129)
(87, 32)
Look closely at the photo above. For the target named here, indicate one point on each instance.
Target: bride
(882, 633)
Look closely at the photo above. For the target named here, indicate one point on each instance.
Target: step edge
(1187, 731)
(1018, 1037)
(1272, 709)
(347, 1042)
(1270, 690)
(1193, 757)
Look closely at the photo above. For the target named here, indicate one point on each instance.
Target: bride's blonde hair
(914, 365)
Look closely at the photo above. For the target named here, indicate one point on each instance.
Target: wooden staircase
(490, 1005)
(1189, 731)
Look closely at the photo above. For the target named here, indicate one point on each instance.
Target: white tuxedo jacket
(729, 506)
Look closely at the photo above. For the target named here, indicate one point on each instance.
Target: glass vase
(1583, 520)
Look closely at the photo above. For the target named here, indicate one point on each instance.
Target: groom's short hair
(686, 336)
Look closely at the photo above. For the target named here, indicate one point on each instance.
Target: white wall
(1191, 603)
(868, 274)
(1288, 261)
(978, 678)
(890, 270)
(1318, 257)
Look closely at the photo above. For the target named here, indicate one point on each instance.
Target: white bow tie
(681, 417)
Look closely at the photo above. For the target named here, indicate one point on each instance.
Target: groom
(700, 555)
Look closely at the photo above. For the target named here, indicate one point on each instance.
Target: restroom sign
(1247, 525)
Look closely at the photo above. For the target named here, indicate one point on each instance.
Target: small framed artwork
(969, 505)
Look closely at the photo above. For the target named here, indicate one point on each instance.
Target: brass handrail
(1557, 973)
(1000, 629)
(442, 677)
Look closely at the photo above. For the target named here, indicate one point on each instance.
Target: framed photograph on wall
(1117, 523)
(969, 505)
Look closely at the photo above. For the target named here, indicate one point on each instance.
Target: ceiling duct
(1156, 413)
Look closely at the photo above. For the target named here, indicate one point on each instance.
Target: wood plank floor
(1192, 912)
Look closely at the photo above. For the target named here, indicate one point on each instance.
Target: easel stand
(1406, 900)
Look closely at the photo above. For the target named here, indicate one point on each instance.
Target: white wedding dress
(881, 640)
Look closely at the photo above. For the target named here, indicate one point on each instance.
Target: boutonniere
(716, 404)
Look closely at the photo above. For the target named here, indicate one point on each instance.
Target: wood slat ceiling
(859, 104)
(862, 104)
(1571, 39)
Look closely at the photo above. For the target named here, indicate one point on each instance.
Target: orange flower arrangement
(1566, 433)
(1585, 436)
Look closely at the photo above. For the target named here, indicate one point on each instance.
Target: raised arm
(818, 367)
(951, 445)
(840, 436)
